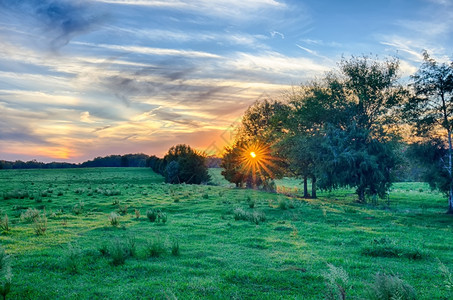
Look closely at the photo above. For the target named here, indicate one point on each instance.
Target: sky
(89, 78)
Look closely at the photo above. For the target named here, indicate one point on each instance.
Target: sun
(257, 162)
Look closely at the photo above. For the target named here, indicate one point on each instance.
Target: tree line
(357, 126)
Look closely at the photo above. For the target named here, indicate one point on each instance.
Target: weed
(137, 213)
(60, 193)
(257, 217)
(114, 219)
(79, 191)
(40, 224)
(388, 248)
(205, 196)
(336, 280)
(115, 202)
(388, 286)
(240, 214)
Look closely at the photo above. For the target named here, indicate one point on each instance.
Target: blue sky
(80, 79)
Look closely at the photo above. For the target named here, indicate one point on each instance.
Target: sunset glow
(102, 77)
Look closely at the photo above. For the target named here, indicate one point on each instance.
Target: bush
(337, 283)
(122, 209)
(114, 219)
(5, 273)
(78, 208)
(182, 164)
(387, 286)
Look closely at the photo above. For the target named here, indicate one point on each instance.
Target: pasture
(90, 234)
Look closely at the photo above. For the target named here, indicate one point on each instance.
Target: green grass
(285, 255)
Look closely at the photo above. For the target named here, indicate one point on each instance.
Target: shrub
(336, 280)
(40, 224)
(388, 286)
(151, 214)
(240, 214)
(4, 223)
(251, 202)
(5, 273)
(114, 219)
(30, 215)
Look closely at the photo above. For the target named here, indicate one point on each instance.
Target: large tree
(430, 110)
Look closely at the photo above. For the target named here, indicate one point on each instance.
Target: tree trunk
(450, 170)
(305, 187)
(313, 187)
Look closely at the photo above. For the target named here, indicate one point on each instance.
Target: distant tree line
(127, 160)
(357, 126)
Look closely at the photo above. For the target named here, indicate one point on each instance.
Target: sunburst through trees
(251, 163)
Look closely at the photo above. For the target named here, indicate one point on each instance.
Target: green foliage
(175, 250)
(4, 223)
(185, 165)
(114, 219)
(72, 258)
(30, 215)
(156, 247)
(448, 277)
(40, 224)
(389, 286)
(151, 214)
(5, 273)
(256, 217)
(337, 283)
(388, 248)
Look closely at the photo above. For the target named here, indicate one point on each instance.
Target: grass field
(214, 242)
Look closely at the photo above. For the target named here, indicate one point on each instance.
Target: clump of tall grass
(114, 219)
(122, 209)
(256, 217)
(337, 283)
(78, 208)
(137, 213)
(175, 251)
(389, 286)
(448, 277)
(385, 247)
(5, 273)
(151, 214)
(4, 223)
(156, 247)
(30, 215)
(40, 224)
(72, 259)
(16, 194)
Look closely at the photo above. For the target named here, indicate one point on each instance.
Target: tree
(358, 149)
(190, 168)
(430, 111)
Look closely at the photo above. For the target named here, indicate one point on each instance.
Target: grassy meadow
(121, 233)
